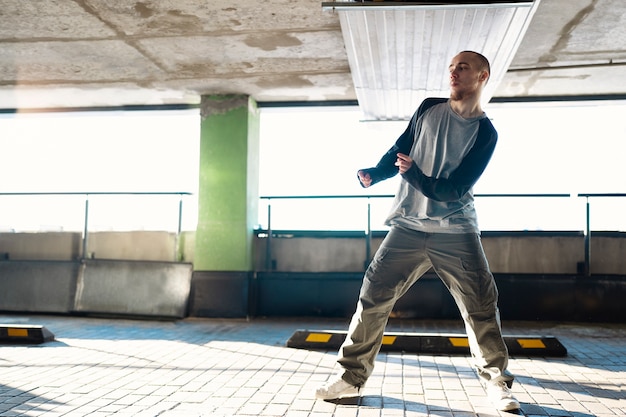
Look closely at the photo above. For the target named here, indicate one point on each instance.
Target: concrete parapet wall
(534, 254)
(507, 252)
(133, 245)
(67, 246)
(57, 246)
(308, 254)
(608, 254)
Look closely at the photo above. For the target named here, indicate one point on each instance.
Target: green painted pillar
(228, 194)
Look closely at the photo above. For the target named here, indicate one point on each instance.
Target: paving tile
(235, 367)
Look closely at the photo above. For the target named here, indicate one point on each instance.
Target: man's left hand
(403, 163)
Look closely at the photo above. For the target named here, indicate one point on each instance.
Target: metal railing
(88, 194)
(368, 206)
(588, 224)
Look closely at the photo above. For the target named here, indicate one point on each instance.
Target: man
(433, 223)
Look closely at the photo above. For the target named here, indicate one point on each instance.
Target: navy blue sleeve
(464, 176)
(386, 167)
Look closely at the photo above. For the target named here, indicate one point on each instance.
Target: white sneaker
(336, 388)
(501, 396)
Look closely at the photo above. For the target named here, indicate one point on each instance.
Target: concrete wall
(510, 252)
(608, 253)
(534, 254)
(42, 246)
(538, 275)
(514, 252)
(131, 288)
(135, 245)
(310, 254)
(38, 286)
(67, 246)
(562, 297)
(126, 273)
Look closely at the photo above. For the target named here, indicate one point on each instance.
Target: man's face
(466, 77)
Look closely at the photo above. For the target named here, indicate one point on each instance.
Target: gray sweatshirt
(450, 154)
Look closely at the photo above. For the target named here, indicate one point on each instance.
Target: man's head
(469, 72)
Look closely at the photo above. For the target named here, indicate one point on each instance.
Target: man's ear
(484, 76)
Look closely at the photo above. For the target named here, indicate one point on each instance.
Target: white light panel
(399, 52)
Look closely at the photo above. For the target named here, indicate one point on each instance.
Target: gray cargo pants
(403, 257)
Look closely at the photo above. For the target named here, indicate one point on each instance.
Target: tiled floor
(235, 367)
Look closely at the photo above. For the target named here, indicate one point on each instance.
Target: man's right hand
(365, 178)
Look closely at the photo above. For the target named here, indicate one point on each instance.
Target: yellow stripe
(318, 337)
(459, 341)
(389, 340)
(531, 343)
(17, 332)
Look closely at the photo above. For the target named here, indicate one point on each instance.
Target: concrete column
(228, 193)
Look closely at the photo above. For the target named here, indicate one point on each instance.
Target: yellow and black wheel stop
(428, 343)
(24, 334)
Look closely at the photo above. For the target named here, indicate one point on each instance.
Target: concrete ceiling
(100, 53)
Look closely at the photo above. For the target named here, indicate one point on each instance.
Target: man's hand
(403, 163)
(365, 178)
